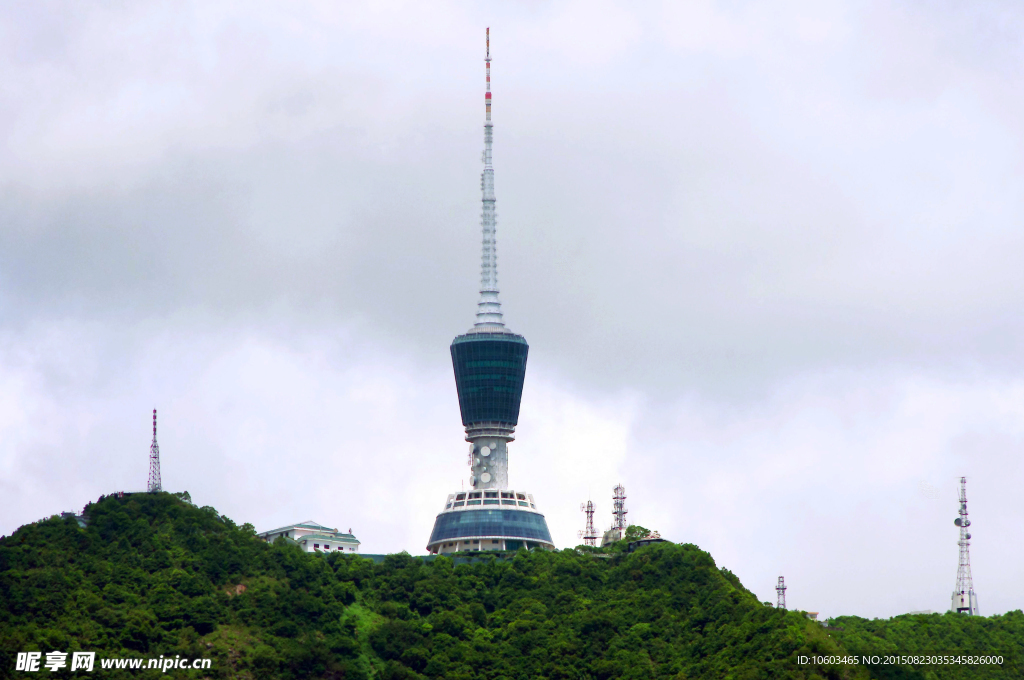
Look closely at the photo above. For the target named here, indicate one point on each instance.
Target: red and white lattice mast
(589, 534)
(154, 463)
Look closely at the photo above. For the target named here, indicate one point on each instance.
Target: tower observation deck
(490, 367)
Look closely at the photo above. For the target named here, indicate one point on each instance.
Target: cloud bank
(768, 264)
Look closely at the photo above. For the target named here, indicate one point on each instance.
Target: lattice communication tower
(780, 591)
(619, 508)
(589, 534)
(154, 462)
(965, 600)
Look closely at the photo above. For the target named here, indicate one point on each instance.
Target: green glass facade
(489, 373)
(496, 523)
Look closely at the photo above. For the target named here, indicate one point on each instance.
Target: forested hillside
(154, 575)
(943, 635)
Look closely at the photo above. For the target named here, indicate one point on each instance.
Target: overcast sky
(767, 257)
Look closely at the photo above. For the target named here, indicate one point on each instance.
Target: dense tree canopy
(938, 635)
(152, 574)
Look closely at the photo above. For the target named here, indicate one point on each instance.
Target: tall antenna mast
(619, 508)
(780, 591)
(488, 309)
(589, 534)
(154, 462)
(965, 601)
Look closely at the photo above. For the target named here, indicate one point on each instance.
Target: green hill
(152, 575)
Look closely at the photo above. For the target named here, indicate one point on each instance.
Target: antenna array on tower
(965, 600)
(619, 508)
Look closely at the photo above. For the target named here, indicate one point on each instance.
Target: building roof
(344, 538)
(307, 524)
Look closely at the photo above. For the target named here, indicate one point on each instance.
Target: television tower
(589, 534)
(490, 366)
(780, 591)
(965, 601)
(619, 509)
(154, 462)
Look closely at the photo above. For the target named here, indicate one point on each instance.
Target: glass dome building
(511, 522)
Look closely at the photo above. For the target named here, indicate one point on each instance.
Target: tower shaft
(489, 360)
(154, 484)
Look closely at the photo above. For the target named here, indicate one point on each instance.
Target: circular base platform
(462, 527)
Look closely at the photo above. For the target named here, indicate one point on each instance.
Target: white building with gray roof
(314, 537)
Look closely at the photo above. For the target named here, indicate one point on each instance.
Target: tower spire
(488, 309)
(965, 601)
(154, 462)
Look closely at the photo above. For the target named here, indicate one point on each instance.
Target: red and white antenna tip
(487, 94)
(154, 422)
